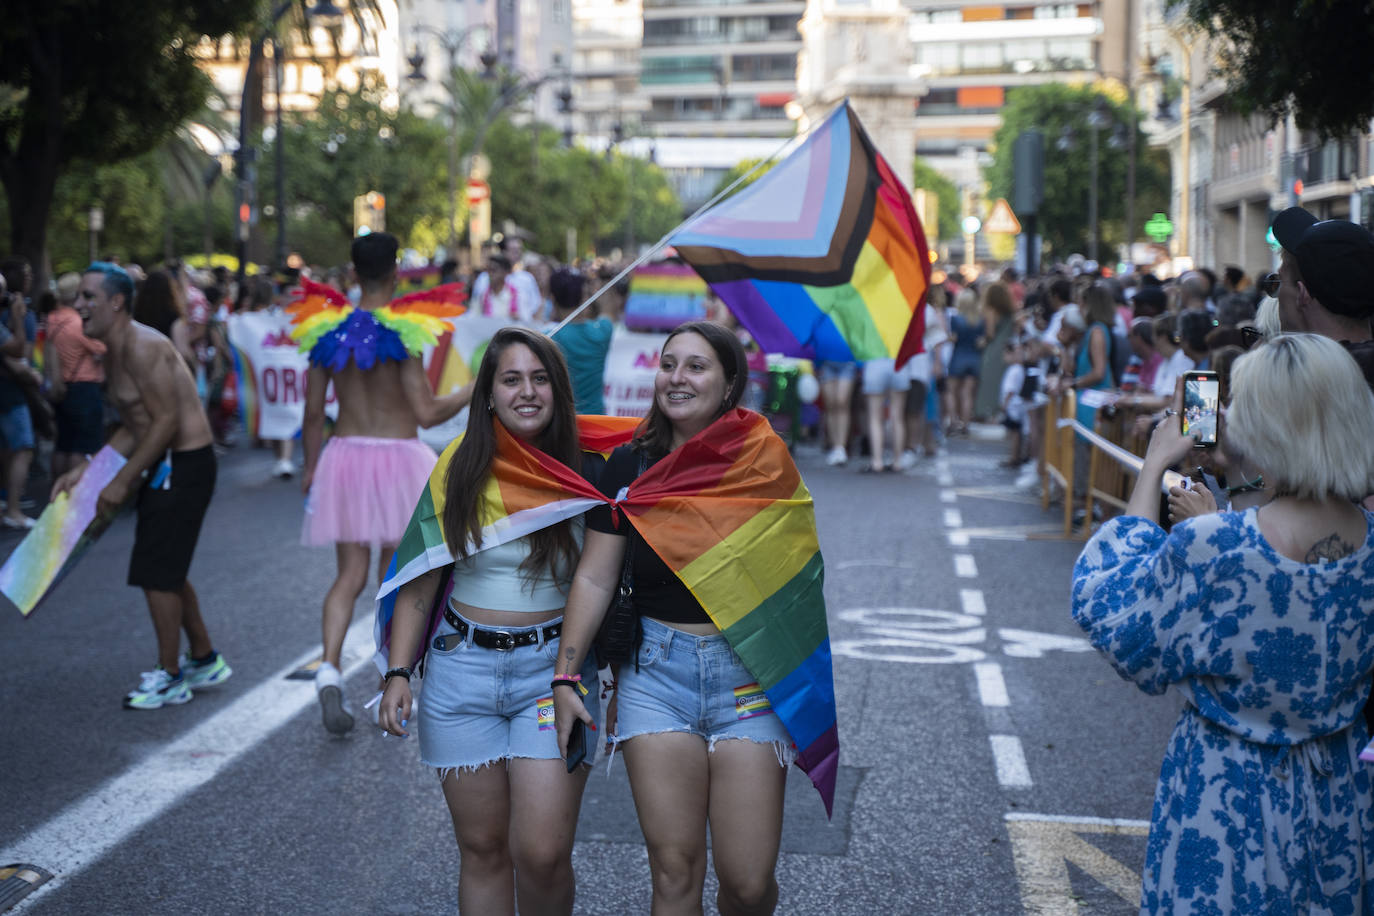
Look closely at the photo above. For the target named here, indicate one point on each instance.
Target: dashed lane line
(1012, 772)
(971, 599)
(992, 689)
(964, 567)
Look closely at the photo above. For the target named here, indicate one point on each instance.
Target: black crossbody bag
(619, 635)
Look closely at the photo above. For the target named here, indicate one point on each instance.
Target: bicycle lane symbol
(926, 636)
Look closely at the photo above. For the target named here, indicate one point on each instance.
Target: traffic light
(369, 213)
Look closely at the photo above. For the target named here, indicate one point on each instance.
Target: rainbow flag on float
(727, 511)
(823, 257)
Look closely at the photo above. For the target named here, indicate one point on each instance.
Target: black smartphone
(577, 744)
(1201, 398)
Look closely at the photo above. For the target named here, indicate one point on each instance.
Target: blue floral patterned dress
(1263, 805)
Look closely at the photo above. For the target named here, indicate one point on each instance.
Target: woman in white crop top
(486, 723)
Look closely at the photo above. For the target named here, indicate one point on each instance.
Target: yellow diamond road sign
(1002, 220)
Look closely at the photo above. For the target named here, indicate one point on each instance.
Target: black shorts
(169, 522)
(81, 419)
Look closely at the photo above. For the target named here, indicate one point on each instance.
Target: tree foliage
(924, 175)
(352, 144)
(1305, 57)
(1060, 111)
(742, 168)
(98, 81)
(349, 145)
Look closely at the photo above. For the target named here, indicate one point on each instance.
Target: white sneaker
(285, 469)
(837, 456)
(334, 707)
(907, 461)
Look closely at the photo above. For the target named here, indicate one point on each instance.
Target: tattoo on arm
(1328, 549)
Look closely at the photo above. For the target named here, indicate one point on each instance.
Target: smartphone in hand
(1201, 400)
(577, 744)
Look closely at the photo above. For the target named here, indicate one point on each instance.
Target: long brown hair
(551, 548)
(655, 435)
(159, 303)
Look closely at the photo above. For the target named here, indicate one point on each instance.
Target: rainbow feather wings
(727, 511)
(332, 331)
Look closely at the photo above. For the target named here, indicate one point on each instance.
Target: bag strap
(627, 571)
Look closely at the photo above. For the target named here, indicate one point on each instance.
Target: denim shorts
(698, 685)
(16, 427)
(830, 371)
(881, 376)
(478, 706)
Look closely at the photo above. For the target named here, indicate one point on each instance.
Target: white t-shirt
(520, 284)
(1168, 373)
(919, 367)
(1013, 377)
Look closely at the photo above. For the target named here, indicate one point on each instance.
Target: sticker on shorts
(750, 701)
(544, 713)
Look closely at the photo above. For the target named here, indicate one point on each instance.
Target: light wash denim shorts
(480, 705)
(698, 685)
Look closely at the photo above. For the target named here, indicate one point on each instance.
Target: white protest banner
(271, 374)
(631, 366)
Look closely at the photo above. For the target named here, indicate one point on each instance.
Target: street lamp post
(1098, 118)
(452, 43)
(323, 12)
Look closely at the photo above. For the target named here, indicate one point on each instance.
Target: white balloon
(808, 389)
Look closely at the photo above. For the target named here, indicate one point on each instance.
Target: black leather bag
(618, 637)
(619, 634)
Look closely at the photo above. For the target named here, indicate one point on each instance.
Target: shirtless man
(166, 439)
(362, 486)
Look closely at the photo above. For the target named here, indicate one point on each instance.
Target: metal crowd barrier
(1113, 462)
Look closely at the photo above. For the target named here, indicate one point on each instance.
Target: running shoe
(284, 469)
(837, 456)
(206, 674)
(158, 689)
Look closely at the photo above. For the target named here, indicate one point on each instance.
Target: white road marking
(948, 496)
(992, 689)
(1043, 845)
(87, 829)
(972, 601)
(964, 567)
(1012, 772)
(958, 539)
(944, 479)
(1125, 825)
(953, 518)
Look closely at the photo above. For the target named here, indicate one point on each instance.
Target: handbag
(618, 637)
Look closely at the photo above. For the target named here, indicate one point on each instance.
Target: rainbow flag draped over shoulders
(823, 257)
(729, 514)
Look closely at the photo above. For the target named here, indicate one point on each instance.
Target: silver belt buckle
(504, 641)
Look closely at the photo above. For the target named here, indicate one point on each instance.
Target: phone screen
(1201, 396)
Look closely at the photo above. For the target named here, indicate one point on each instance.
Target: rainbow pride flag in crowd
(727, 511)
(823, 257)
(663, 296)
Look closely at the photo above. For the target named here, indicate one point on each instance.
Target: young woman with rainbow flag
(486, 723)
(731, 681)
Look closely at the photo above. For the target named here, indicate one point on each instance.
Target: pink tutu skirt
(365, 489)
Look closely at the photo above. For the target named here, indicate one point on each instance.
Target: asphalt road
(990, 761)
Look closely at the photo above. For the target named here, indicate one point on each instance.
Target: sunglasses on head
(1270, 285)
(1249, 337)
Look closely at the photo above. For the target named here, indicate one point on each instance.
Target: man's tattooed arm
(1328, 549)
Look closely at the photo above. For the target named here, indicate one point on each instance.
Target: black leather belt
(500, 640)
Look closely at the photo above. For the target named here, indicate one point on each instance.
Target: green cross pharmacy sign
(1158, 227)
